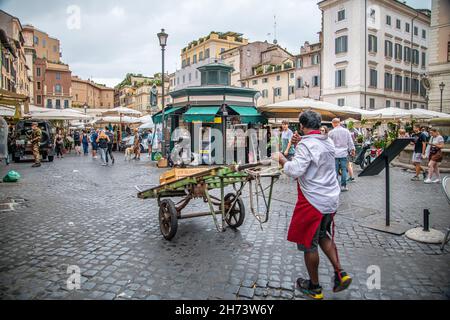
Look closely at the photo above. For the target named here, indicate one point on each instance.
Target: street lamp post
(441, 86)
(162, 36)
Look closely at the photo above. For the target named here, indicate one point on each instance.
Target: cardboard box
(179, 173)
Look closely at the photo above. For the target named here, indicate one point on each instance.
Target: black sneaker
(341, 281)
(424, 174)
(36, 165)
(309, 290)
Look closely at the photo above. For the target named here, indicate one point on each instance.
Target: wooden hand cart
(198, 186)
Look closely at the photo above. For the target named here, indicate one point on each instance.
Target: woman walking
(85, 142)
(59, 144)
(102, 142)
(435, 156)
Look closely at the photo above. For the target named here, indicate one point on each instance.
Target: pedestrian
(351, 158)
(59, 144)
(318, 199)
(137, 145)
(94, 138)
(420, 145)
(102, 142)
(150, 142)
(402, 134)
(85, 142)
(110, 145)
(77, 142)
(344, 145)
(435, 156)
(286, 145)
(324, 130)
(36, 136)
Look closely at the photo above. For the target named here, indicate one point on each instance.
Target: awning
(201, 114)
(158, 117)
(248, 114)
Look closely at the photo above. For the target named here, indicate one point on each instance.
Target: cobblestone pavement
(75, 212)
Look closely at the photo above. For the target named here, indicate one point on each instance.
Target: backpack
(76, 136)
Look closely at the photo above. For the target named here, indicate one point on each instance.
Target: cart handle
(242, 167)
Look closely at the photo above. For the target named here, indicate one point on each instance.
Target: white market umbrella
(426, 114)
(59, 114)
(147, 118)
(124, 119)
(122, 110)
(292, 108)
(390, 113)
(148, 125)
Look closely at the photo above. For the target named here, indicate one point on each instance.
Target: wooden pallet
(179, 173)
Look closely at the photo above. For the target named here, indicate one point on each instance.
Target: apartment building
(53, 84)
(273, 76)
(91, 94)
(45, 47)
(201, 52)
(14, 69)
(439, 67)
(375, 53)
(243, 58)
(307, 71)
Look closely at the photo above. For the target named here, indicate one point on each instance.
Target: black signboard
(382, 163)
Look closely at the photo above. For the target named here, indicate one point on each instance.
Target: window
(373, 78)
(416, 31)
(388, 81)
(39, 99)
(415, 106)
(38, 72)
(340, 78)
(341, 102)
(222, 50)
(36, 40)
(66, 104)
(388, 103)
(196, 74)
(398, 24)
(38, 84)
(372, 43)
(291, 89)
(388, 49)
(44, 43)
(49, 103)
(299, 83)
(415, 56)
(372, 103)
(406, 105)
(265, 93)
(397, 104)
(407, 27)
(407, 55)
(58, 88)
(341, 15)
(194, 59)
(277, 92)
(424, 34)
(299, 63)
(398, 83)
(340, 45)
(184, 78)
(255, 82)
(388, 20)
(58, 104)
(58, 76)
(265, 80)
(315, 59)
(200, 56)
(278, 78)
(407, 85)
(315, 81)
(183, 63)
(415, 86)
(55, 48)
(398, 51)
(207, 53)
(424, 58)
(190, 77)
(188, 61)
(292, 75)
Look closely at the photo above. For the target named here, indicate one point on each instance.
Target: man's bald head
(336, 122)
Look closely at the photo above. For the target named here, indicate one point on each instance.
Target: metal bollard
(426, 220)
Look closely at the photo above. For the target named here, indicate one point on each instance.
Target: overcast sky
(114, 37)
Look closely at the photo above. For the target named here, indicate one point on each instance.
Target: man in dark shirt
(420, 145)
(110, 144)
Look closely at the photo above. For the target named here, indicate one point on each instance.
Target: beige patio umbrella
(121, 111)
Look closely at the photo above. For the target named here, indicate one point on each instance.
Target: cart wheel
(168, 220)
(237, 215)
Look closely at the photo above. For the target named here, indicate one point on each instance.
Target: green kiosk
(215, 107)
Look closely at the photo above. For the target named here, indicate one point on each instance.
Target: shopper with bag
(435, 156)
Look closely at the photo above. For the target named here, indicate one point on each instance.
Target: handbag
(435, 154)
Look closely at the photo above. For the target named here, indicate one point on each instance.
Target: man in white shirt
(344, 145)
(318, 199)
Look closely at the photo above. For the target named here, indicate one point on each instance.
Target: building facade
(374, 53)
(14, 69)
(201, 52)
(91, 94)
(439, 68)
(45, 46)
(307, 71)
(53, 84)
